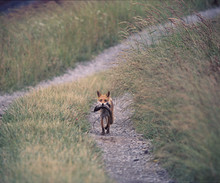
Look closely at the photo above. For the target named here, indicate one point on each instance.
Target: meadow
(44, 136)
(174, 84)
(40, 42)
(175, 87)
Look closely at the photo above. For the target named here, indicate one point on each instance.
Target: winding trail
(126, 155)
(106, 59)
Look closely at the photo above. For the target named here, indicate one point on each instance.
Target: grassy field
(39, 43)
(176, 90)
(175, 84)
(43, 136)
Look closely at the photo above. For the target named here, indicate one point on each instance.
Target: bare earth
(126, 154)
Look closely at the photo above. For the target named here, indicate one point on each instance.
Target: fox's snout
(102, 103)
(106, 104)
(103, 99)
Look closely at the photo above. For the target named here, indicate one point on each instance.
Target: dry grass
(176, 90)
(38, 43)
(43, 136)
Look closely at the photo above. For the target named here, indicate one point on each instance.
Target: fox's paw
(102, 133)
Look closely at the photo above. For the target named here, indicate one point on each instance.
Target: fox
(106, 100)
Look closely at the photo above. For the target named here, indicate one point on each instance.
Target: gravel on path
(126, 155)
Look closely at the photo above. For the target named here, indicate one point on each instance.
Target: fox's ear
(98, 93)
(108, 94)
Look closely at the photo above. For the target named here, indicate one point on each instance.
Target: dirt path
(104, 60)
(126, 154)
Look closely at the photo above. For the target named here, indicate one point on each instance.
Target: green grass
(39, 43)
(175, 85)
(43, 136)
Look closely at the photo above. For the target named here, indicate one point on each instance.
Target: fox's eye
(100, 100)
(105, 100)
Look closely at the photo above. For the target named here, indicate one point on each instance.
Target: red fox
(106, 108)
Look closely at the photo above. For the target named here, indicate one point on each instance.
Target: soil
(126, 154)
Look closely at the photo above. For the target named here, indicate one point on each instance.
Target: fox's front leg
(108, 125)
(102, 125)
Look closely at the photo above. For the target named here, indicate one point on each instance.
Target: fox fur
(106, 104)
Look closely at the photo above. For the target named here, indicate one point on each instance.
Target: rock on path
(126, 154)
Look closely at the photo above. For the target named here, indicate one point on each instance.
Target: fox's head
(103, 99)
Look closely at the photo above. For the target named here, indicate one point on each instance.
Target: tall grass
(40, 42)
(43, 136)
(176, 90)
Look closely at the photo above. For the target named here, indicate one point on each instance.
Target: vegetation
(43, 136)
(38, 43)
(175, 84)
